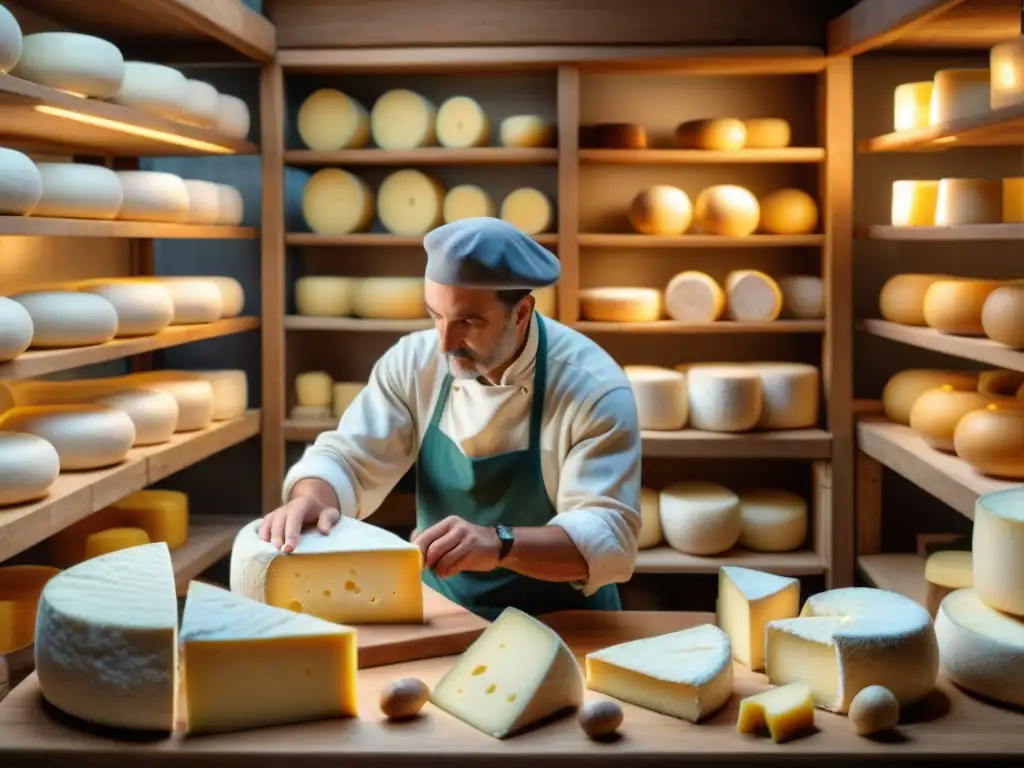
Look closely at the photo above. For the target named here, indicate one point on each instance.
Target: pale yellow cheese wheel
(620, 305)
(912, 105)
(313, 388)
(936, 413)
(410, 203)
(991, 440)
(914, 203)
(905, 387)
(525, 131)
(752, 296)
(467, 201)
(727, 210)
(650, 516)
(720, 133)
(462, 122)
(389, 298)
(331, 120)
(336, 202)
(402, 119)
(528, 210)
(954, 305)
(1002, 316)
(324, 295)
(999, 382)
(344, 394)
(767, 133)
(788, 211)
(902, 298)
(661, 210)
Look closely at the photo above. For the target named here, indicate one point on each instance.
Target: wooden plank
(230, 22)
(962, 232)
(42, 227)
(975, 26)
(665, 560)
(898, 573)
(355, 324)
(700, 156)
(569, 193)
(721, 326)
(600, 240)
(967, 347)
(997, 128)
(873, 24)
(424, 156)
(210, 538)
(379, 239)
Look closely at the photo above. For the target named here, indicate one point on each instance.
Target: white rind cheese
(85, 436)
(229, 388)
(201, 104)
(336, 202)
(969, 201)
(620, 305)
(203, 201)
(21, 184)
(79, 64)
(958, 94)
(998, 547)
(153, 196)
(233, 118)
(194, 398)
(772, 520)
(790, 395)
(329, 120)
(230, 206)
(694, 297)
(68, 318)
(29, 465)
(196, 300)
(803, 296)
(10, 52)
(142, 308)
(15, 329)
(153, 412)
(700, 518)
(410, 203)
(747, 601)
(752, 296)
(462, 122)
(724, 398)
(79, 191)
(402, 119)
(660, 395)
(153, 88)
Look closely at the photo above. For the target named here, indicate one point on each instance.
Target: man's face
(478, 332)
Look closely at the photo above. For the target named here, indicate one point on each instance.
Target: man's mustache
(462, 354)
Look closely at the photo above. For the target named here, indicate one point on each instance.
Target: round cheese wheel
(68, 318)
(788, 211)
(153, 412)
(1002, 316)
(803, 296)
(344, 393)
(402, 119)
(525, 132)
(389, 298)
(410, 202)
(724, 398)
(620, 305)
(661, 210)
(329, 120)
(700, 518)
(79, 64)
(462, 122)
(726, 210)
(650, 519)
(991, 440)
(85, 436)
(959, 93)
(912, 105)
(954, 305)
(969, 201)
(142, 308)
(29, 465)
(202, 103)
(790, 395)
(722, 133)
(10, 46)
(154, 88)
(914, 203)
(113, 539)
(903, 389)
(21, 184)
(15, 329)
(902, 298)
(772, 520)
(230, 387)
(314, 388)
(998, 571)
(767, 133)
(203, 201)
(467, 201)
(194, 398)
(936, 413)
(752, 296)
(231, 294)
(324, 295)
(79, 191)
(1013, 200)
(528, 210)
(336, 202)
(660, 395)
(613, 136)
(545, 300)
(195, 300)
(233, 118)
(153, 196)
(945, 572)
(694, 297)
(230, 206)
(1004, 383)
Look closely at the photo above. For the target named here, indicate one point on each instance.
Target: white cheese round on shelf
(902, 390)
(233, 118)
(969, 201)
(10, 49)
(15, 329)
(231, 293)
(402, 119)
(650, 519)
(467, 201)
(202, 104)
(1006, 67)
(79, 64)
(902, 298)
(314, 388)
(29, 465)
(142, 308)
(85, 436)
(194, 397)
(724, 398)
(68, 318)
(153, 412)
(329, 120)
(203, 201)
(752, 296)
(944, 572)
(954, 305)
(803, 296)
(912, 105)
(230, 388)
(525, 132)
(700, 518)
(772, 520)
(336, 202)
(959, 93)
(69, 392)
(997, 543)
(620, 305)
(727, 210)
(767, 133)
(790, 395)
(660, 395)
(21, 184)
(195, 300)
(410, 203)
(462, 122)
(1002, 316)
(936, 413)
(914, 203)
(991, 441)
(788, 211)
(718, 134)
(153, 196)
(528, 210)
(230, 206)
(389, 298)
(324, 295)
(79, 191)
(661, 210)
(694, 297)
(153, 88)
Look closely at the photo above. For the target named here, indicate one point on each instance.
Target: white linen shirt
(589, 441)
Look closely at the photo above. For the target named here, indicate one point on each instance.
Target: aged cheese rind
(788, 211)
(752, 296)
(969, 201)
(958, 94)
(694, 297)
(902, 390)
(998, 544)
(620, 305)
(1002, 316)
(154, 413)
(767, 133)
(747, 601)
(153, 196)
(772, 520)
(114, 539)
(660, 395)
(699, 518)
(944, 572)
(716, 134)
(85, 436)
(937, 412)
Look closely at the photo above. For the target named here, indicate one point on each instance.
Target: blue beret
(484, 252)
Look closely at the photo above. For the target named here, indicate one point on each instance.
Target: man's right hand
(306, 507)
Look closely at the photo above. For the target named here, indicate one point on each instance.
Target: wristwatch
(506, 538)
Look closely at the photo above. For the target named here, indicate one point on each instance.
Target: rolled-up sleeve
(599, 488)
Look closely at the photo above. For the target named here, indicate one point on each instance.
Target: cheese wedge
(747, 601)
(786, 712)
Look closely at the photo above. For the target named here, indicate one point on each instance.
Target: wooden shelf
(721, 326)
(307, 323)
(942, 475)
(967, 347)
(379, 239)
(699, 241)
(30, 227)
(41, 362)
(960, 232)
(210, 538)
(897, 573)
(76, 495)
(998, 128)
(700, 156)
(424, 156)
(665, 560)
(36, 117)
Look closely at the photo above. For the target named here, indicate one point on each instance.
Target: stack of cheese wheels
(958, 94)
(613, 136)
(944, 572)
(389, 298)
(790, 395)
(727, 210)
(650, 519)
(525, 132)
(694, 297)
(620, 305)
(79, 64)
(902, 297)
(902, 390)
(79, 191)
(21, 184)
(700, 518)
(232, 295)
(969, 201)
(772, 520)
(991, 439)
(68, 318)
(142, 308)
(724, 398)
(29, 466)
(914, 203)
(403, 119)
(803, 297)
(721, 134)
(912, 105)
(313, 396)
(329, 120)
(154, 88)
(410, 203)
(937, 412)
(1002, 315)
(324, 295)
(767, 133)
(15, 329)
(954, 305)
(752, 296)
(661, 210)
(660, 394)
(788, 211)
(528, 210)
(85, 436)
(337, 202)
(229, 387)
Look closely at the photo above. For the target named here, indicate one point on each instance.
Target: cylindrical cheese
(85, 436)
(727, 210)
(914, 203)
(230, 206)
(324, 295)
(969, 201)
(462, 122)
(724, 398)
(955, 305)
(959, 93)
(230, 388)
(21, 184)
(153, 88)
(945, 572)
(767, 133)
(991, 440)
(997, 541)
(329, 120)
(20, 588)
(336, 202)
(613, 136)
(153, 196)
(69, 392)
(232, 295)
(29, 465)
(79, 64)
(1006, 74)
(790, 395)
(344, 393)
(467, 201)
(113, 539)
(233, 118)
(936, 413)
(15, 329)
(194, 398)
(389, 298)
(203, 201)
(79, 191)
(660, 394)
(700, 518)
(998, 382)
(528, 210)
(903, 389)
(752, 296)
(1002, 316)
(722, 133)
(525, 131)
(201, 104)
(620, 305)
(661, 210)
(402, 119)
(694, 297)
(10, 52)
(313, 388)
(772, 520)
(788, 211)
(650, 519)
(803, 296)
(142, 308)
(912, 106)
(153, 412)
(68, 318)
(902, 298)
(195, 300)
(410, 203)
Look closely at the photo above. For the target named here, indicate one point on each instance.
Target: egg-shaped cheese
(902, 298)
(1002, 315)
(68, 318)
(21, 185)
(650, 519)
(661, 210)
(16, 329)
(29, 465)
(389, 298)
(330, 120)
(660, 395)
(767, 133)
(84, 436)
(142, 308)
(203, 201)
(955, 305)
(936, 413)
(720, 133)
(991, 440)
(153, 196)
(700, 518)
(153, 412)
(233, 118)
(153, 88)
(727, 210)
(788, 211)
(80, 64)
(79, 191)
(620, 305)
(902, 390)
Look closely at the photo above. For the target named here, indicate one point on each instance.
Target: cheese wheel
(85, 436)
(788, 212)
(195, 300)
(79, 64)
(10, 52)
(153, 88)
(68, 318)
(700, 518)
(767, 133)
(936, 413)
(997, 541)
(946, 572)
(790, 395)
(803, 296)
(726, 210)
(772, 520)
(79, 191)
(29, 465)
(525, 132)
(113, 539)
(724, 398)
(329, 120)
(389, 298)
(1006, 73)
(194, 398)
(1013, 200)
(466, 201)
(752, 296)
(324, 295)
(233, 118)
(314, 388)
(528, 210)
(410, 203)
(21, 184)
(914, 203)
(344, 393)
(620, 305)
(969, 201)
(202, 103)
(650, 519)
(991, 440)
(203, 201)
(954, 305)
(401, 119)
(720, 134)
(902, 298)
(16, 329)
(232, 294)
(230, 388)
(142, 308)
(902, 390)
(661, 210)
(317, 413)
(1002, 316)
(545, 300)
(230, 206)
(153, 196)
(912, 105)
(660, 394)
(613, 136)
(462, 122)
(694, 297)
(154, 413)
(336, 202)
(958, 94)
(1004, 383)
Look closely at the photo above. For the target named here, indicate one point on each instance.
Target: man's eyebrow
(463, 317)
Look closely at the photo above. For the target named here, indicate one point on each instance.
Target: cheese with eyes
(747, 601)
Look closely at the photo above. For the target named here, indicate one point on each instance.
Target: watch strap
(507, 539)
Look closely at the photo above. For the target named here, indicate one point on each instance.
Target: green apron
(507, 488)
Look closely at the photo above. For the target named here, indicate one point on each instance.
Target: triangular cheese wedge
(747, 601)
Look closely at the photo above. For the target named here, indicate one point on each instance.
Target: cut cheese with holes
(329, 120)
(699, 518)
(790, 395)
(85, 436)
(528, 210)
(718, 134)
(114, 539)
(203, 202)
(620, 305)
(902, 298)
(752, 296)
(997, 543)
(68, 318)
(153, 196)
(747, 601)
(787, 712)
(324, 295)
(724, 398)
(788, 211)
(336, 202)
(767, 133)
(356, 574)
(402, 119)
(410, 203)
(914, 203)
(1002, 316)
(660, 395)
(694, 297)
(936, 413)
(727, 210)
(79, 191)
(991, 440)
(82, 65)
(343, 395)
(389, 298)
(969, 201)
(249, 665)
(912, 105)
(233, 118)
(803, 296)
(462, 122)
(955, 305)
(525, 132)
(21, 184)
(772, 520)
(661, 210)
(982, 649)
(945, 572)
(847, 639)
(902, 390)
(650, 519)
(15, 329)
(313, 388)
(153, 88)
(143, 309)
(29, 466)
(958, 94)
(153, 413)
(685, 674)
(517, 673)
(106, 646)
(467, 201)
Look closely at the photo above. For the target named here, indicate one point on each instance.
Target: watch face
(503, 532)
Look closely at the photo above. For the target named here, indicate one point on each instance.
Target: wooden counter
(950, 726)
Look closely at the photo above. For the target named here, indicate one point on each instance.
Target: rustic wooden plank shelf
(902, 573)
(665, 560)
(721, 326)
(308, 323)
(998, 128)
(960, 232)
(967, 347)
(700, 156)
(596, 240)
(42, 227)
(379, 239)
(424, 156)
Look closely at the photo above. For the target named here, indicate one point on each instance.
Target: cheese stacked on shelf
(954, 305)
(403, 119)
(461, 123)
(1002, 315)
(752, 296)
(336, 202)
(914, 203)
(467, 201)
(991, 439)
(1006, 66)
(912, 106)
(958, 94)
(718, 134)
(901, 299)
(661, 210)
(788, 211)
(88, 436)
(16, 329)
(660, 394)
(318, 396)
(937, 413)
(29, 466)
(613, 136)
(154, 88)
(726, 210)
(694, 297)
(724, 398)
(903, 388)
(528, 210)
(650, 519)
(526, 132)
(767, 133)
(410, 203)
(621, 304)
(82, 65)
(969, 201)
(330, 120)
(21, 184)
(68, 318)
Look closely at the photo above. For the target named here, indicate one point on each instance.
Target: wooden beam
(873, 24)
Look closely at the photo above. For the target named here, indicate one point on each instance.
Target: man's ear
(525, 310)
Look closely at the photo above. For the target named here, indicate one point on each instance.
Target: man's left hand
(455, 545)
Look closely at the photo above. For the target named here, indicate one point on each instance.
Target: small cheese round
(788, 211)
(946, 572)
(68, 318)
(313, 388)
(202, 103)
(661, 210)
(29, 465)
(545, 300)
(329, 120)
(467, 201)
(336, 202)
(613, 136)
(727, 210)
(902, 298)
(324, 295)
(79, 64)
(142, 308)
(153, 412)
(936, 413)
(997, 541)
(230, 387)
(232, 294)
(195, 300)
(772, 520)
(954, 305)
(914, 203)
(1002, 316)
(767, 133)
(1005, 383)
(528, 210)
(694, 297)
(230, 206)
(650, 519)
(410, 203)
(620, 305)
(912, 105)
(752, 296)
(389, 298)
(21, 184)
(153, 88)
(85, 436)
(902, 390)
(402, 119)
(10, 52)
(991, 440)
(525, 132)
(404, 698)
(79, 191)
(1013, 200)
(203, 201)
(113, 539)
(803, 296)
(874, 709)
(959, 93)
(153, 196)
(721, 134)
(233, 118)
(790, 395)
(724, 398)
(16, 329)
(462, 122)
(194, 398)
(969, 201)
(344, 393)
(700, 518)
(660, 395)
(600, 718)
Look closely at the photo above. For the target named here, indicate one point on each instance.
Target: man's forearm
(317, 489)
(547, 553)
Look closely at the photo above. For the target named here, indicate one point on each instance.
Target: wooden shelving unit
(700, 156)
(378, 240)
(981, 350)
(962, 232)
(699, 241)
(27, 226)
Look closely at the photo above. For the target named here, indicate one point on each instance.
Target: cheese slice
(747, 601)
(518, 672)
(786, 712)
(685, 674)
(998, 544)
(106, 640)
(249, 665)
(694, 297)
(462, 122)
(945, 572)
(356, 574)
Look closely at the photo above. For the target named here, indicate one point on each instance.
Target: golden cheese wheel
(789, 211)
(719, 133)
(767, 133)
(661, 210)
(936, 412)
(613, 136)
(1005, 383)
(991, 440)
(905, 387)
(727, 210)
(1002, 315)
(954, 305)
(902, 298)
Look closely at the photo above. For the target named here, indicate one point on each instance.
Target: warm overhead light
(136, 130)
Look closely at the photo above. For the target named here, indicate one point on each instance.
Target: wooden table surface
(948, 726)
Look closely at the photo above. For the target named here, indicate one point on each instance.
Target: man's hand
(284, 524)
(455, 545)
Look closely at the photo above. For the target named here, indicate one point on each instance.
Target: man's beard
(464, 365)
